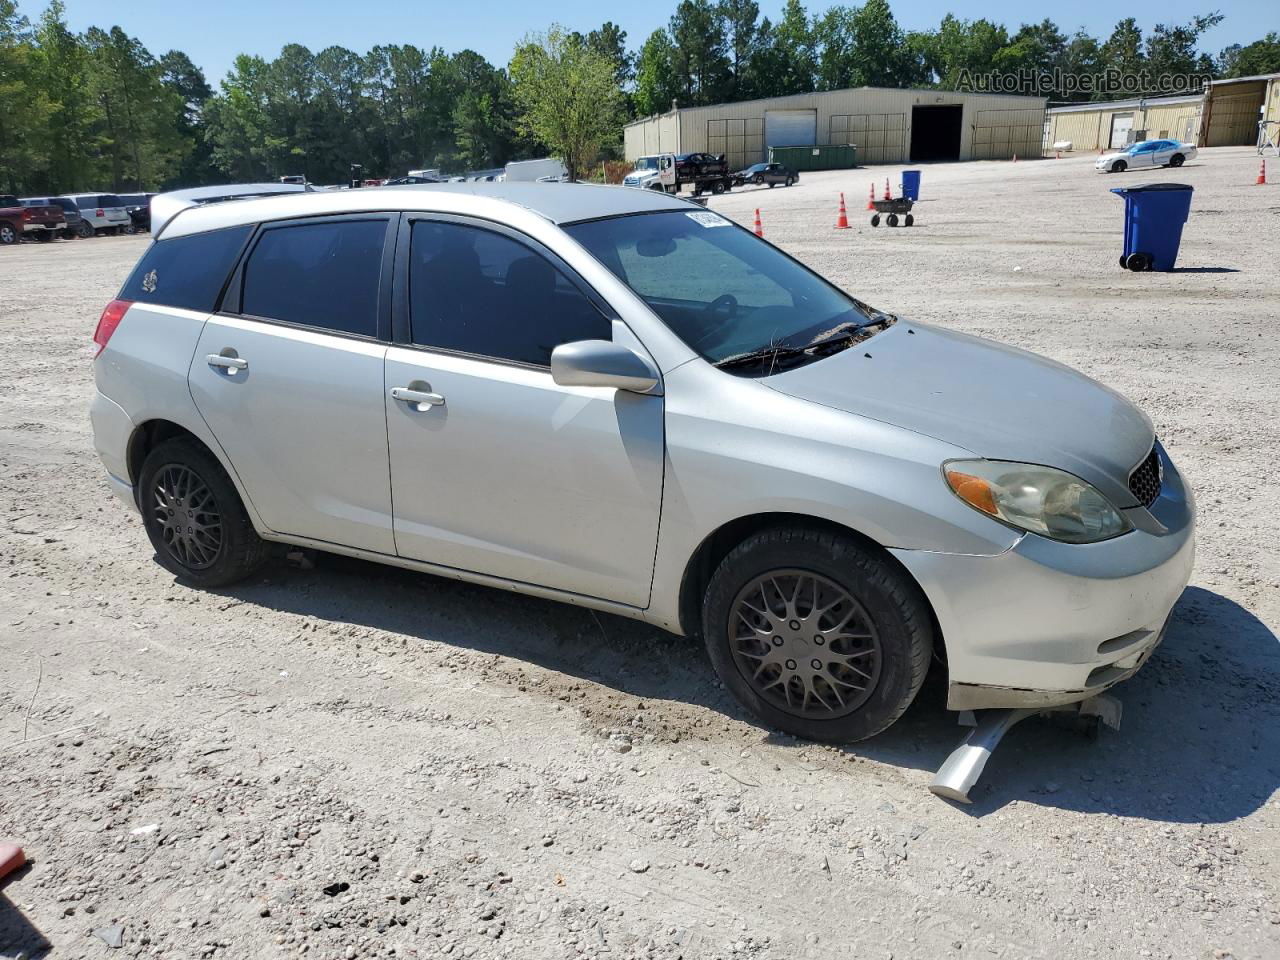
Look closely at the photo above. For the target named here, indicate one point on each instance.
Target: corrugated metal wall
(660, 134)
(877, 120)
(1233, 114)
(1091, 129)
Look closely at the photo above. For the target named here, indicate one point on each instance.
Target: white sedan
(1146, 155)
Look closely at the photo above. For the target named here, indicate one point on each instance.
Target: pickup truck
(41, 220)
(702, 171)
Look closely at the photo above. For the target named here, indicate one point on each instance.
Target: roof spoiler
(166, 206)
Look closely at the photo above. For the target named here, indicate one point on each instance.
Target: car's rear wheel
(790, 181)
(194, 516)
(817, 634)
(1177, 160)
(758, 179)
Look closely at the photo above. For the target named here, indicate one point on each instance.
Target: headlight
(1052, 503)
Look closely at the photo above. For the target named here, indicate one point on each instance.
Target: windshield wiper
(847, 334)
(771, 356)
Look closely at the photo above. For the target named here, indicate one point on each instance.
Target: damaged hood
(999, 402)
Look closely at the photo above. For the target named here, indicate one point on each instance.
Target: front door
(289, 379)
(495, 468)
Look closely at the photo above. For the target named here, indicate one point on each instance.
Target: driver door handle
(405, 395)
(226, 363)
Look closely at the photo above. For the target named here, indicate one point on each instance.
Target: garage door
(790, 128)
(1121, 124)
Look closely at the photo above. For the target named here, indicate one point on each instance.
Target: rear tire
(892, 220)
(908, 220)
(1177, 160)
(717, 187)
(195, 518)
(1139, 262)
(875, 220)
(789, 182)
(867, 624)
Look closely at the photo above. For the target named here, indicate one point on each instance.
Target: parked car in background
(70, 213)
(36, 219)
(617, 399)
(411, 180)
(762, 173)
(138, 206)
(10, 220)
(1146, 155)
(100, 213)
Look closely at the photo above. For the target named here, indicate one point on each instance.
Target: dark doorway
(935, 133)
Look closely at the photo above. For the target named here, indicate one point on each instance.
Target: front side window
(187, 272)
(318, 274)
(723, 291)
(476, 291)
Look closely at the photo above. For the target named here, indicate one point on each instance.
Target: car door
(496, 468)
(288, 376)
(1163, 153)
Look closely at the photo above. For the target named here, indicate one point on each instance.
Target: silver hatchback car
(618, 399)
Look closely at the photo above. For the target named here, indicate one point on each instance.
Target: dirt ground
(355, 761)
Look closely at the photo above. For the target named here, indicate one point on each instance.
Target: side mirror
(602, 363)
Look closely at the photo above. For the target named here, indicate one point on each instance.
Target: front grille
(1144, 482)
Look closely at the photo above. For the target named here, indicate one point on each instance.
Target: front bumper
(1048, 623)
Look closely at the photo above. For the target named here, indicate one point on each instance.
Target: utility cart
(891, 208)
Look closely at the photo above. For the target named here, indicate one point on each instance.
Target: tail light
(26, 213)
(107, 323)
(100, 213)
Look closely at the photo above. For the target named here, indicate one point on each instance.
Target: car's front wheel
(1119, 167)
(8, 235)
(194, 516)
(817, 634)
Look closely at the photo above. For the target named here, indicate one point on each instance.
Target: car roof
(560, 203)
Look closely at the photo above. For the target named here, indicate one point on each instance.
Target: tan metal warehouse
(1227, 113)
(886, 125)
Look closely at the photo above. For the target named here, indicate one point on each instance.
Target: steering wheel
(726, 304)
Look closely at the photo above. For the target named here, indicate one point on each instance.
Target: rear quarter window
(187, 272)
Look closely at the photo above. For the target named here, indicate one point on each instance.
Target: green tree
(1173, 49)
(567, 97)
(794, 43)
(63, 69)
(863, 46)
(698, 58)
(742, 30)
(656, 85)
(959, 48)
(1261, 56)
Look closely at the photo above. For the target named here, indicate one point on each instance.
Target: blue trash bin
(911, 184)
(1153, 217)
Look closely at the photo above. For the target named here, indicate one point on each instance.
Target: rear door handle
(420, 397)
(226, 363)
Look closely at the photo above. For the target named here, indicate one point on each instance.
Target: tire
(717, 187)
(85, 229)
(1139, 262)
(893, 621)
(891, 220)
(789, 181)
(178, 467)
(772, 184)
(1119, 167)
(758, 180)
(1124, 260)
(1177, 160)
(129, 230)
(9, 234)
(875, 219)
(44, 236)
(908, 220)
(70, 234)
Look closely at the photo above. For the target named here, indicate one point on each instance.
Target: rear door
(288, 377)
(495, 467)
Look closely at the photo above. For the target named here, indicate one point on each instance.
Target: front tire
(85, 229)
(817, 634)
(1119, 167)
(8, 235)
(194, 517)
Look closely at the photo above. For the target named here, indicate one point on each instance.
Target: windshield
(647, 163)
(722, 290)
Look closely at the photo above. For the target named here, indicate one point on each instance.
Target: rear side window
(318, 274)
(186, 272)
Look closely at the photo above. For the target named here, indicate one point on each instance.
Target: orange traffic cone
(759, 230)
(871, 197)
(1262, 174)
(887, 194)
(842, 221)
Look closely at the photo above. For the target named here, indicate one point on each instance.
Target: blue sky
(212, 32)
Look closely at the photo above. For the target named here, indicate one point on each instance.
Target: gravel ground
(355, 761)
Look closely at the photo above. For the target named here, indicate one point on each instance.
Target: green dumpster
(825, 156)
